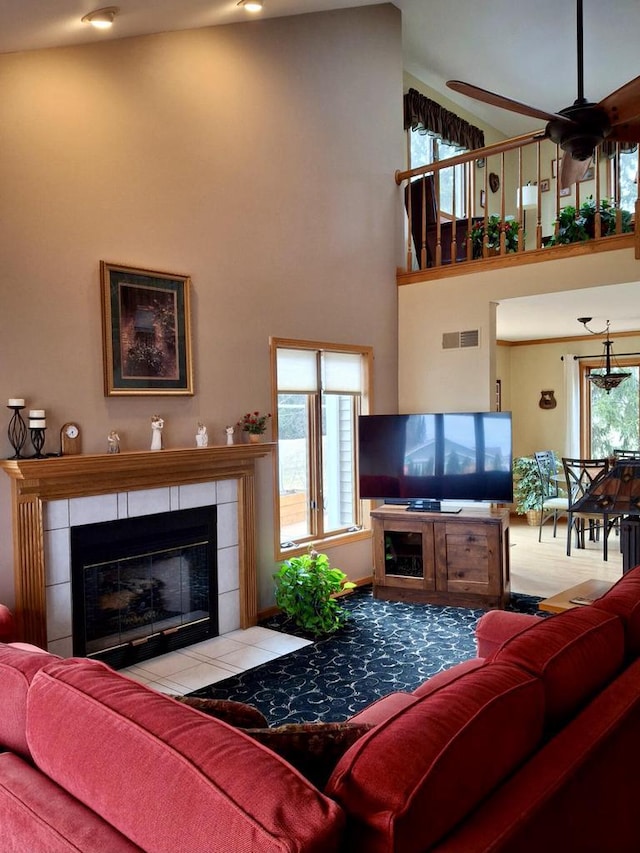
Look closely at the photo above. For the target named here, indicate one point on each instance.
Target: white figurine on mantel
(113, 440)
(229, 432)
(202, 437)
(157, 425)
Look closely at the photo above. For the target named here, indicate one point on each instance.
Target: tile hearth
(221, 657)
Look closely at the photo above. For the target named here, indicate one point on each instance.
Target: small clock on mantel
(70, 439)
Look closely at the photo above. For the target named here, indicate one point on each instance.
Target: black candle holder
(37, 439)
(17, 431)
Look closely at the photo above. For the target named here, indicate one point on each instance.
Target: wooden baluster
(485, 238)
(521, 217)
(436, 185)
(636, 220)
(597, 224)
(423, 228)
(539, 207)
(454, 235)
(503, 236)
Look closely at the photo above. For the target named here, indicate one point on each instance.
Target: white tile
(213, 648)
(93, 509)
(137, 674)
(149, 502)
(228, 611)
(282, 643)
(200, 675)
(227, 525)
(197, 494)
(228, 569)
(247, 657)
(251, 636)
(165, 685)
(56, 514)
(57, 556)
(123, 505)
(62, 647)
(161, 666)
(227, 491)
(59, 611)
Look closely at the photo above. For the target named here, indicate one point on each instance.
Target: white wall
(257, 158)
(430, 378)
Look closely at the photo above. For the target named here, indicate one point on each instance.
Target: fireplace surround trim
(36, 481)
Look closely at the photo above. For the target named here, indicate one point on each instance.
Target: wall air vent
(461, 340)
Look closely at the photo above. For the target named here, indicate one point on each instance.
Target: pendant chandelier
(609, 378)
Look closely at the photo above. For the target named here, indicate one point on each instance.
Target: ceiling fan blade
(624, 104)
(500, 101)
(571, 170)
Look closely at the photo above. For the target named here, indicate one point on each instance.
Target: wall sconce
(101, 19)
(251, 5)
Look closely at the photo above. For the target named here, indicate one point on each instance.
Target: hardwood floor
(543, 568)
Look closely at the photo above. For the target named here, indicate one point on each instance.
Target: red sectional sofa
(533, 745)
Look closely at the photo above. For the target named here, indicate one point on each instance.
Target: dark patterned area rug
(385, 646)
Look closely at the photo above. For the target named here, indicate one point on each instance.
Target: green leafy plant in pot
(527, 488)
(305, 590)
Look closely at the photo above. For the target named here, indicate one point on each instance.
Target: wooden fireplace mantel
(35, 481)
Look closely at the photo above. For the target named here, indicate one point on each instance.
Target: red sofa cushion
(623, 599)
(169, 779)
(575, 653)
(446, 676)
(37, 815)
(17, 668)
(412, 778)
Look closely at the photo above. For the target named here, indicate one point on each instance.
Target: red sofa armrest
(6, 624)
(496, 626)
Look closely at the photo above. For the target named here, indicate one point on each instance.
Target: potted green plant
(527, 488)
(577, 225)
(494, 226)
(306, 587)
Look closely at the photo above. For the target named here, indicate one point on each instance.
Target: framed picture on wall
(146, 332)
(483, 198)
(544, 185)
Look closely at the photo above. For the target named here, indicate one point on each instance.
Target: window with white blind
(318, 392)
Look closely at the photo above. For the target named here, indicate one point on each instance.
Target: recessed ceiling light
(102, 19)
(251, 5)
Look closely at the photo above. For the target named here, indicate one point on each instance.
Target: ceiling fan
(580, 128)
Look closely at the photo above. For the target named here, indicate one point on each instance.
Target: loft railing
(469, 208)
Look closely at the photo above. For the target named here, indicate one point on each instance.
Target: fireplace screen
(144, 586)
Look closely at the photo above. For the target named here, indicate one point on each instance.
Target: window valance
(425, 116)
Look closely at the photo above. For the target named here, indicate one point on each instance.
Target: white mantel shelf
(35, 481)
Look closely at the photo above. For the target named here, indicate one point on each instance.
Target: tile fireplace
(51, 497)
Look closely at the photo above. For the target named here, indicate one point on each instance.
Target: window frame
(460, 195)
(362, 530)
(586, 366)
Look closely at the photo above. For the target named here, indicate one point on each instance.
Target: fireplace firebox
(143, 586)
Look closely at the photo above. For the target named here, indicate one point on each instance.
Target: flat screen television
(463, 456)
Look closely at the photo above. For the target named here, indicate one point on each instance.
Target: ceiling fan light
(101, 19)
(607, 381)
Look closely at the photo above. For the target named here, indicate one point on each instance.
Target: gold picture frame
(146, 331)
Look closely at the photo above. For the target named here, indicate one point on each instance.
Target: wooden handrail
(448, 239)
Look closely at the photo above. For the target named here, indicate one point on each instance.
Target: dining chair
(627, 454)
(553, 503)
(580, 474)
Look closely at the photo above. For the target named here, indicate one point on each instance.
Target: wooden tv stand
(441, 558)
